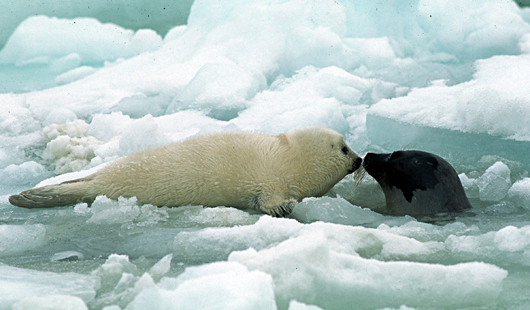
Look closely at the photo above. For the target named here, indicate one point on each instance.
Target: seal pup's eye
(416, 161)
(345, 150)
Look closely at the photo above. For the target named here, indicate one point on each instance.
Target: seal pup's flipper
(274, 205)
(64, 194)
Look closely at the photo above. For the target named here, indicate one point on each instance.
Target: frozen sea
(448, 77)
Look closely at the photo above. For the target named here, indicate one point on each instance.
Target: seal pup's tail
(64, 194)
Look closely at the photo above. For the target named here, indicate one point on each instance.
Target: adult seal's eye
(345, 150)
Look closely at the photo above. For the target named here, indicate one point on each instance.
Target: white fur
(238, 169)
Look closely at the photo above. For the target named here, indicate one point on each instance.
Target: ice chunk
(213, 244)
(44, 39)
(16, 120)
(227, 285)
(16, 239)
(221, 89)
(140, 105)
(367, 194)
(153, 15)
(145, 40)
(313, 97)
(25, 174)
(124, 211)
(373, 52)
(301, 265)
(122, 280)
(175, 33)
(506, 247)
(52, 302)
(59, 116)
(107, 126)
(74, 75)
(425, 232)
(162, 267)
(269, 44)
(524, 44)
(519, 193)
(334, 210)
(67, 256)
(63, 64)
(403, 307)
(295, 305)
(112, 271)
(19, 284)
(439, 28)
(512, 239)
(494, 102)
(187, 219)
(495, 183)
(69, 148)
(141, 134)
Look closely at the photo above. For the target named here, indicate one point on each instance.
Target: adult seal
(417, 183)
(270, 173)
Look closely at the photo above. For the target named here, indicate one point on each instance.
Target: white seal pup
(417, 183)
(238, 169)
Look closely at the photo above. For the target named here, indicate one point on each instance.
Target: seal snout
(356, 165)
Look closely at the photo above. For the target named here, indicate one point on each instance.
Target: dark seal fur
(417, 183)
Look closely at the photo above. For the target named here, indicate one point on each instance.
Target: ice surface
(367, 194)
(444, 77)
(22, 287)
(227, 285)
(106, 211)
(16, 239)
(52, 302)
(222, 90)
(302, 264)
(334, 210)
(494, 102)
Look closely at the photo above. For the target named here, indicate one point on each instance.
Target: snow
(79, 91)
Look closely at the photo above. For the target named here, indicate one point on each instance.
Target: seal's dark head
(417, 183)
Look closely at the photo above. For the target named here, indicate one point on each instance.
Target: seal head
(417, 183)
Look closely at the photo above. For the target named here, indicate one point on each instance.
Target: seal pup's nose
(356, 164)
